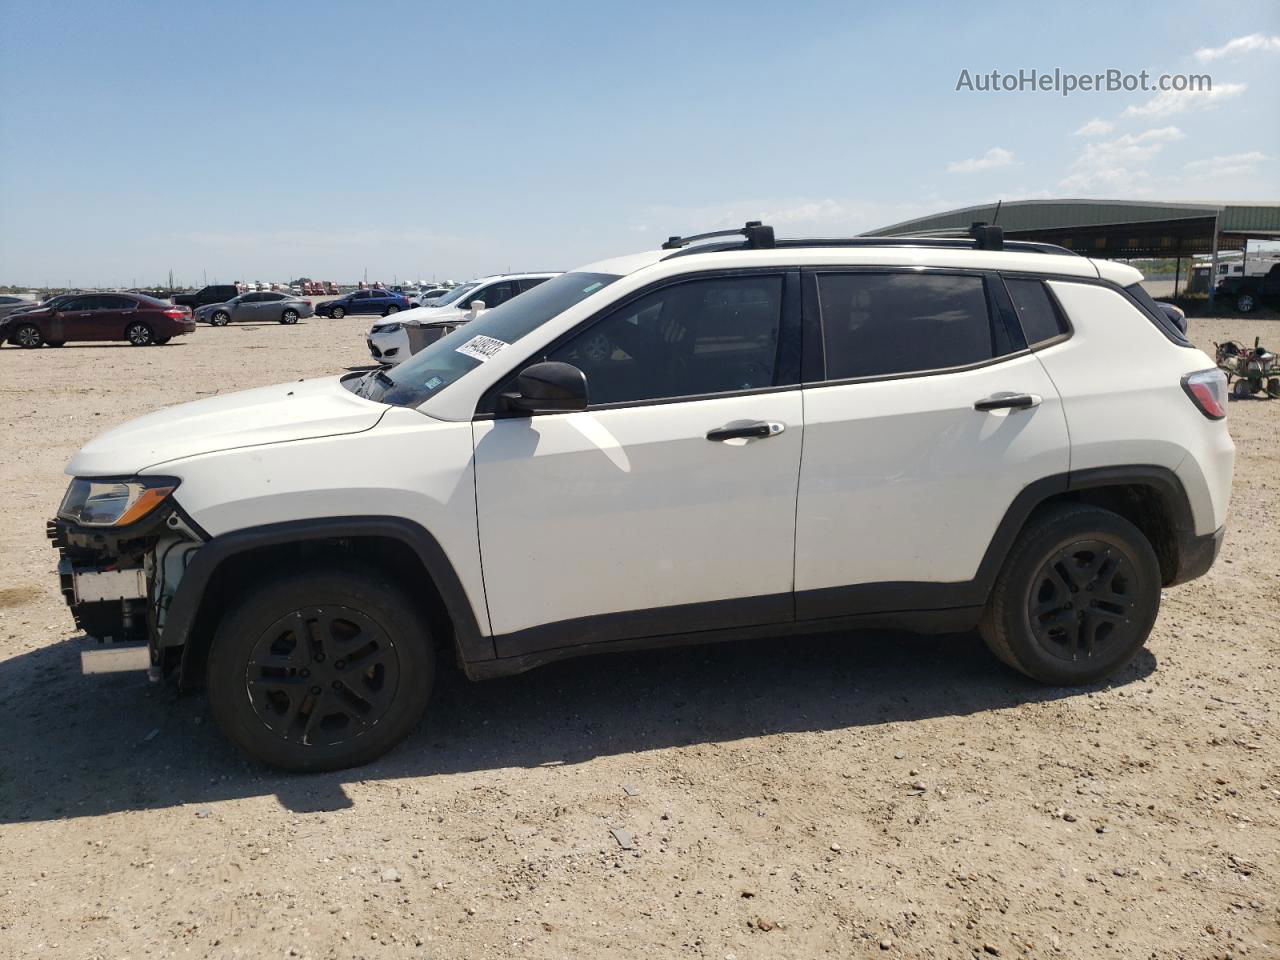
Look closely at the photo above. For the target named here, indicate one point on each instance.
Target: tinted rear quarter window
(897, 323)
(1038, 313)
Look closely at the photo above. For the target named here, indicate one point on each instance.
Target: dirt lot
(867, 795)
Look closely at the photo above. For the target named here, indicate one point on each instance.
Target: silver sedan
(263, 307)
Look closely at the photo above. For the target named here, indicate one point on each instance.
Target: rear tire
(1246, 302)
(280, 684)
(1076, 599)
(1273, 388)
(1242, 389)
(28, 336)
(289, 317)
(390, 310)
(139, 334)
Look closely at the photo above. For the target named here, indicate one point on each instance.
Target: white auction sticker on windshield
(482, 348)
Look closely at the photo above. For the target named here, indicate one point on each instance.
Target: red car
(132, 317)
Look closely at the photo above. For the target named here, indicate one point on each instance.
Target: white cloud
(1228, 165)
(1119, 165)
(993, 158)
(1254, 41)
(1095, 128)
(1169, 102)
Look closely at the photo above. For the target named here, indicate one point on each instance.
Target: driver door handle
(1008, 401)
(761, 430)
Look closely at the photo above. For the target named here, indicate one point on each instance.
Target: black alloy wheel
(1082, 600)
(322, 675)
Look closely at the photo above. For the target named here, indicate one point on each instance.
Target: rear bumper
(1196, 554)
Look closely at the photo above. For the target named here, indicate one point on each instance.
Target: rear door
(111, 315)
(925, 417)
(668, 505)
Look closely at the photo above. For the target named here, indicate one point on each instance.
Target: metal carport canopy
(1119, 229)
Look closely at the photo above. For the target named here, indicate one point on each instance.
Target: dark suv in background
(216, 293)
(135, 318)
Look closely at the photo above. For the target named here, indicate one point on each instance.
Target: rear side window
(1037, 312)
(878, 325)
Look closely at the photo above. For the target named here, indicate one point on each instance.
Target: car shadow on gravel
(76, 746)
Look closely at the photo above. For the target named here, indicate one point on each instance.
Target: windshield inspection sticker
(482, 348)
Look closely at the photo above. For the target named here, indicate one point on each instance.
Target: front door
(930, 420)
(668, 506)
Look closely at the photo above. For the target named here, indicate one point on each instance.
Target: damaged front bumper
(119, 583)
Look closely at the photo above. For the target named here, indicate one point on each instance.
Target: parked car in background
(133, 317)
(215, 293)
(379, 301)
(427, 296)
(1250, 292)
(10, 303)
(264, 307)
(392, 342)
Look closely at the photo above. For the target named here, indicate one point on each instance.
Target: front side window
(1040, 317)
(882, 324)
(694, 338)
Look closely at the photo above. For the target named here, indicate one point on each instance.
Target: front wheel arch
(402, 550)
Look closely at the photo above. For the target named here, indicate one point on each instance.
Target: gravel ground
(869, 795)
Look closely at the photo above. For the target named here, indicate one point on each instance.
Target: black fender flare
(180, 619)
(1032, 496)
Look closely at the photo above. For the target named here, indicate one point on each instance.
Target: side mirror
(549, 387)
(477, 306)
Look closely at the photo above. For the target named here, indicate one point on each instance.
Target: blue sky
(266, 141)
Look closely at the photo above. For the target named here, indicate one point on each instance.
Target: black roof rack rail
(758, 237)
(940, 239)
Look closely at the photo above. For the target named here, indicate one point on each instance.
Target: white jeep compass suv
(724, 437)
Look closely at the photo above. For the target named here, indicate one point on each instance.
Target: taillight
(1208, 391)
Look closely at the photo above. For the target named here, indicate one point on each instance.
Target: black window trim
(790, 345)
(999, 313)
(1054, 302)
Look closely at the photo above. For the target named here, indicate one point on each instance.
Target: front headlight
(94, 502)
(387, 328)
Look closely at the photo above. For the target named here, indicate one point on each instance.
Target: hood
(288, 411)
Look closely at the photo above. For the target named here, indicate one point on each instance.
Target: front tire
(28, 336)
(289, 317)
(1076, 599)
(139, 334)
(220, 319)
(320, 670)
(338, 313)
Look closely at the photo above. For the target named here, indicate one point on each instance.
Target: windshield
(453, 356)
(456, 294)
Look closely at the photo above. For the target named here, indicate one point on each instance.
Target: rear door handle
(751, 430)
(1008, 401)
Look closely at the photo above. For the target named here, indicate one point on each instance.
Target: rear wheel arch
(399, 550)
(1149, 496)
